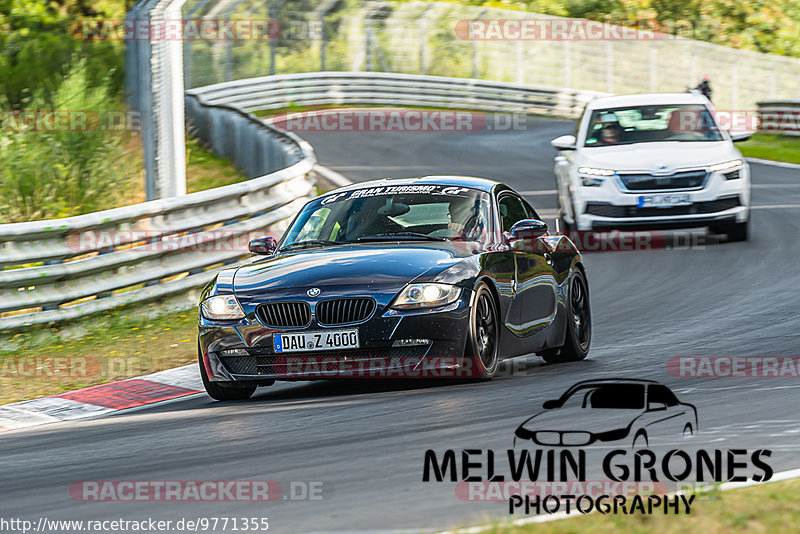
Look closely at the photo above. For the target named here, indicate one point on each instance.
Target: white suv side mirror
(565, 142)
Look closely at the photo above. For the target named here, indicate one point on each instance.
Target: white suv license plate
(664, 200)
(316, 340)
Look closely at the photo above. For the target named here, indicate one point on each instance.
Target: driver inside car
(465, 221)
(611, 131)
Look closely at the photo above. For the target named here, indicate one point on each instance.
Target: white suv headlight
(221, 308)
(725, 165)
(591, 171)
(591, 177)
(415, 296)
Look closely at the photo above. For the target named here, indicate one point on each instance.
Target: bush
(47, 174)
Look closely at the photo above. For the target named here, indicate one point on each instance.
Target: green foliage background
(43, 68)
(767, 26)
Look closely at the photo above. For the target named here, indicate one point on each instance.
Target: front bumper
(392, 344)
(611, 205)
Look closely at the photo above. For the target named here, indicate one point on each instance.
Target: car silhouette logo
(607, 410)
(313, 292)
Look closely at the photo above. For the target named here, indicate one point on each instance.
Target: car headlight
(725, 165)
(596, 172)
(591, 177)
(415, 296)
(588, 181)
(221, 308)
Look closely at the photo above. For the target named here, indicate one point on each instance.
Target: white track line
(774, 163)
(777, 477)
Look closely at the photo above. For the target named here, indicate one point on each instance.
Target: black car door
(533, 306)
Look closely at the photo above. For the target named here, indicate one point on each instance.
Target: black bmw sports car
(442, 276)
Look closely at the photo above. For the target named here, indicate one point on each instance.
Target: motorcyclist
(705, 86)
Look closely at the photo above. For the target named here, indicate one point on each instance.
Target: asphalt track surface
(365, 441)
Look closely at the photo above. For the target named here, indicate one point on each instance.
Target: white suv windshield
(646, 124)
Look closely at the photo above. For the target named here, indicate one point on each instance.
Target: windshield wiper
(311, 243)
(392, 236)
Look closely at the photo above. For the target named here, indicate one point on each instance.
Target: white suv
(652, 161)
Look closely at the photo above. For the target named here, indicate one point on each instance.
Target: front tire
(578, 337)
(565, 227)
(484, 334)
(217, 391)
(737, 231)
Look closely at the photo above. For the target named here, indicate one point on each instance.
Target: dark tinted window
(531, 213)
(661, 393)
(512, 210)
(617, 396)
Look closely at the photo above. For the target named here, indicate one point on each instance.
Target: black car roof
(483, 184)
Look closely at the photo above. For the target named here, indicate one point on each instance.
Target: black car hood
(371, 265)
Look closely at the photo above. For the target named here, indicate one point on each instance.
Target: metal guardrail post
(474, 48)
(158, 75)
(273, 43)
(321, 12)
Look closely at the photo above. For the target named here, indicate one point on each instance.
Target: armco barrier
(51, 272)
(392, 89)
(46, 278)
(779, 116)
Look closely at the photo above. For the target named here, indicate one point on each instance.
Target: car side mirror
(263, 245)
(525, 234)
(656, 406)
(741, 136)
(549, 405)
(565, 142)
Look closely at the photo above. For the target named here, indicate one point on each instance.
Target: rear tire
(578, 337)
(218, 391)
(482, 351)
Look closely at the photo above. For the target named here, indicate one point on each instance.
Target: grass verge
(110, 346)
(206, 170)
(774, 147)
(771, 507)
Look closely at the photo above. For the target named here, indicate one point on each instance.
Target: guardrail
(392, 89)
(779, 116)
(61, 269)
(66, 268)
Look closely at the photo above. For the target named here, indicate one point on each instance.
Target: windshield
(619, 396)
(390, 213)
(647, 124)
